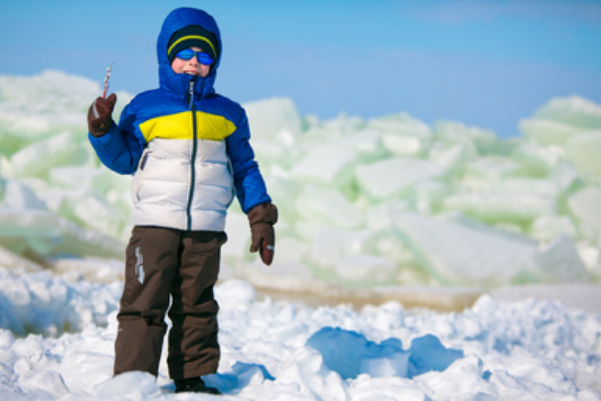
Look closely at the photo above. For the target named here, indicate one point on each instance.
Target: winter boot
(194, 385)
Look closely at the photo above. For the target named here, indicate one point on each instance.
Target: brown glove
(262, 218)
(100, 115)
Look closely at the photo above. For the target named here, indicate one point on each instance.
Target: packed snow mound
(385, 201)
(52, 305)
(282, 351)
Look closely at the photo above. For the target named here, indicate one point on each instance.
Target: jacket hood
(179, 83)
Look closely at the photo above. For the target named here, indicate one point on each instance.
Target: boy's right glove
(261, 219)
(100, 115)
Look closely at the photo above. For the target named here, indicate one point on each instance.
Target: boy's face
(191, 67)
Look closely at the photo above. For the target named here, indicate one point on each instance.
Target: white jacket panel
(169, 191)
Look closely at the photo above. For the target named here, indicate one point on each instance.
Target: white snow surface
(495, 350)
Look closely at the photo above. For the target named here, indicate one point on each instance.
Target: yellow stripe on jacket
(179, 126)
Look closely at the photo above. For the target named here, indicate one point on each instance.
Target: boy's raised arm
(118, 150)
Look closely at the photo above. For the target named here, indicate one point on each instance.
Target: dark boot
(194, 385)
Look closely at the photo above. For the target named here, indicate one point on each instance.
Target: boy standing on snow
(188, 149)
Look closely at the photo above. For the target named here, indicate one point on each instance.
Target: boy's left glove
(261, 219)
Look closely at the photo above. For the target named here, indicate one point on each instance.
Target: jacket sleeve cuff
(263, 213)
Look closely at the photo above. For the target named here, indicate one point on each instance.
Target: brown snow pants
(164, 264)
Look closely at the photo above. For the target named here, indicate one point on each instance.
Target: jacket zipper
(193, 156)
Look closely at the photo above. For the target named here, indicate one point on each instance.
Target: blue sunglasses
(188, 54)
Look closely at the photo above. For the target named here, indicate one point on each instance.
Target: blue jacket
(184, 143)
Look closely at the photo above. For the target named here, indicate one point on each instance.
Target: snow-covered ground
(429, 263)
(278, 350)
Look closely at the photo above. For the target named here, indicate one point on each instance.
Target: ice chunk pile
(392, 200)
(385, 201)
(55, 201)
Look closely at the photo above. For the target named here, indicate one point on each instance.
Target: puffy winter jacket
(187, 146)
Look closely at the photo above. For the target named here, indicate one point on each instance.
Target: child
(188, 149)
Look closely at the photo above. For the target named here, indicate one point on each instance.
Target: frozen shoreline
(586, 297)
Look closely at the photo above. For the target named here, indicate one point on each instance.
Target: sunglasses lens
(185, 54)
(204, 58)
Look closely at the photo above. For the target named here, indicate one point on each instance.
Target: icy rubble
(281, 351)
(389, 200)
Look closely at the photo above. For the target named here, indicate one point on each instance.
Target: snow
(412, 262)
(281, 350)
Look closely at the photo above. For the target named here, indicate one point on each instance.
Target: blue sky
(484, 63)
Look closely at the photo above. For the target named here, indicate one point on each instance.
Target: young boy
(188, 149)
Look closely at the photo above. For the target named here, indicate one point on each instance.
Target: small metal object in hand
(106, 81)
